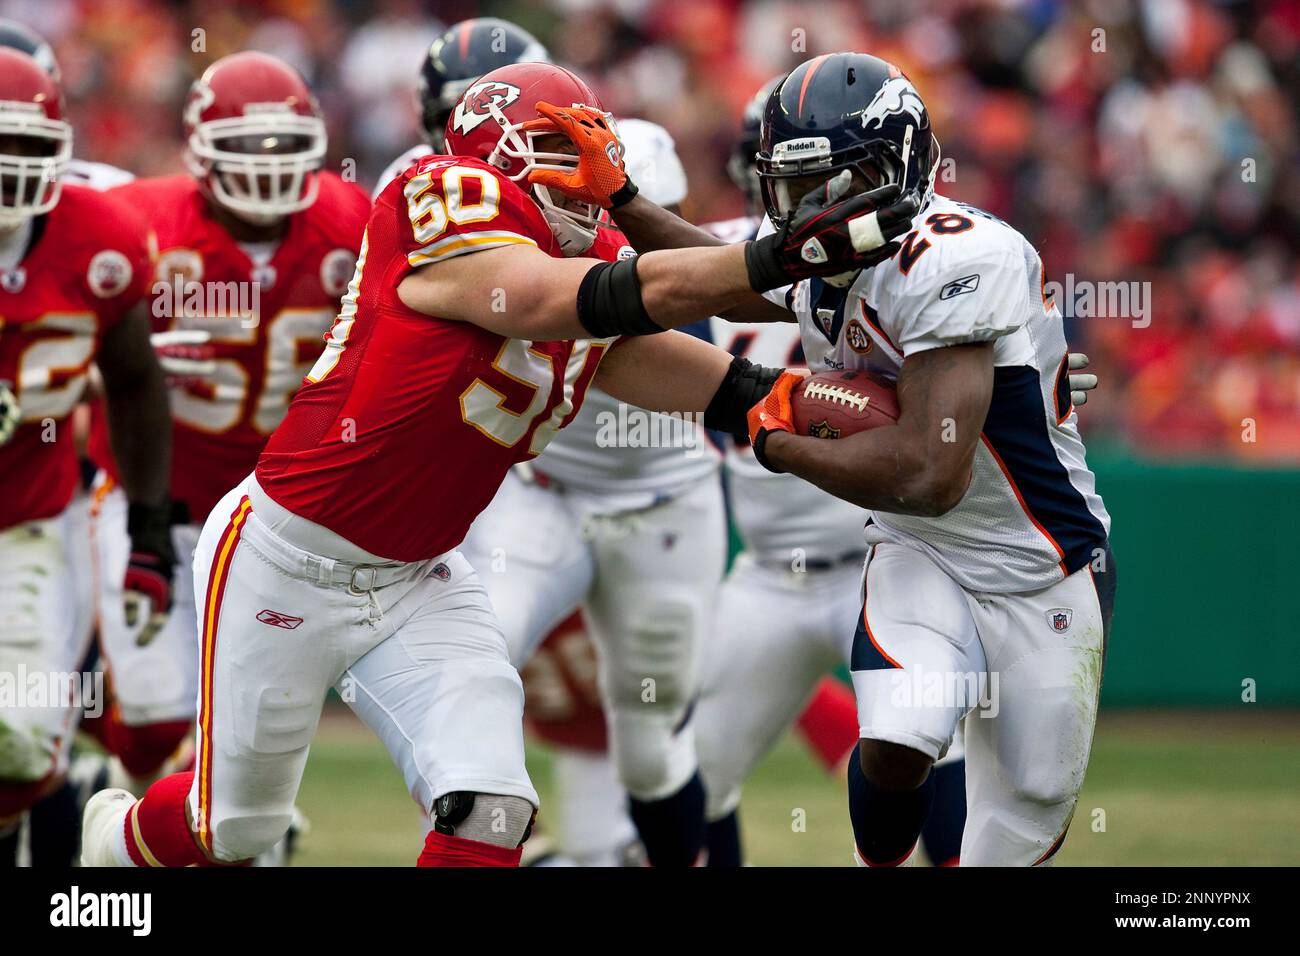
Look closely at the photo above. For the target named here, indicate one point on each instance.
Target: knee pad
(655, 755)
(655, 663)
(486, 817)
(235, 839)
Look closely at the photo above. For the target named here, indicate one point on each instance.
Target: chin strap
(574, 239)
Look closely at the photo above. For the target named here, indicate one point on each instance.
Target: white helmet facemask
(30, 185)
(259, 187)
(573, 223)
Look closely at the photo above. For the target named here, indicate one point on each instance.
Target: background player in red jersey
(254, 250)
(73, 270)
(464, 342)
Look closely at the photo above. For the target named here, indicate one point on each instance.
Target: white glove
(9, 412)
(184, 354)
(1080, 385)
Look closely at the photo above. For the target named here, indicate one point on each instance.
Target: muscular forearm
(649, 227)
(680, 286)
(140, 431)
(886, 469)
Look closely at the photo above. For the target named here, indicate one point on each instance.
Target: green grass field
(1164, 788)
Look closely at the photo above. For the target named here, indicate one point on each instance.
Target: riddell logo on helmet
(475, 106)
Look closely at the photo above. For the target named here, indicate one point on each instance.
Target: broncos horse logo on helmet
(845, 111)
(897, 95)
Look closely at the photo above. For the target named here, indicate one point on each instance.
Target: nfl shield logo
(1060, 618)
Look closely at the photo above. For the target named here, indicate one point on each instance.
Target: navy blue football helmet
(15, 36)
(742, 167)
(459, 57)
(845, 111)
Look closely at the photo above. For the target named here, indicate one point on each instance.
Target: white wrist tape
(865, 234)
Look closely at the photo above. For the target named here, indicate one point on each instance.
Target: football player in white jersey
(989, 582)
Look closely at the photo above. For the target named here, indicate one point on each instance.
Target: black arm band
(609, 302)
(743, 386)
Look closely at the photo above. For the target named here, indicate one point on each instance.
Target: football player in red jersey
(254, 250)
(73, 272)
(465, 341)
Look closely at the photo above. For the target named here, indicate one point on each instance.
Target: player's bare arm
(922, 465)
(673, 372)
(138, 416)
(649, 227)
(520, 292)
(833, 226)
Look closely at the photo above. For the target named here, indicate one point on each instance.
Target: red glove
(600, 177)
(774, 413)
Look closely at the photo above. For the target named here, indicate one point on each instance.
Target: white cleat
(102, 827)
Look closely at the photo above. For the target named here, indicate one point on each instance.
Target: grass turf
(1164, 788)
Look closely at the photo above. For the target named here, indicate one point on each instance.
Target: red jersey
(408, 423)
(87, 266)
(267, 321)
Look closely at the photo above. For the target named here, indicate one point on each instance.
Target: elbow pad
(609, 302)
(743, 387)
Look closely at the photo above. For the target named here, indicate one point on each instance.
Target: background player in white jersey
(623, 515)
(989, 572)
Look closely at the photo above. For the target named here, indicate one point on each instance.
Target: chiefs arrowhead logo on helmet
(475, 106)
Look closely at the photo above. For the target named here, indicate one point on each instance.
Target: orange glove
(773, 414)
(600, 177)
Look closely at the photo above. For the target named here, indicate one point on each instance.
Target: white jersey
(626, 457)
(734, 230)
(1031, 515)
(395, 168)
(780, 516)
(99, 176)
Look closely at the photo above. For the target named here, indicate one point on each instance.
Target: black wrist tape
(624, 194)
(742, 387)
(609, 302)
(762, 267)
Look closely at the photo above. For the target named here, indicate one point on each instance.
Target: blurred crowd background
(1138, 142)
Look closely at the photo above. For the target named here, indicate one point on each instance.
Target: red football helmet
(255, 137)
(496, 120)
(35, 140)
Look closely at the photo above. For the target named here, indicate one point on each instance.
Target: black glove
(826, 236)
(148, 585)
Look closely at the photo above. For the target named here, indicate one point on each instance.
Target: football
(839, 404)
